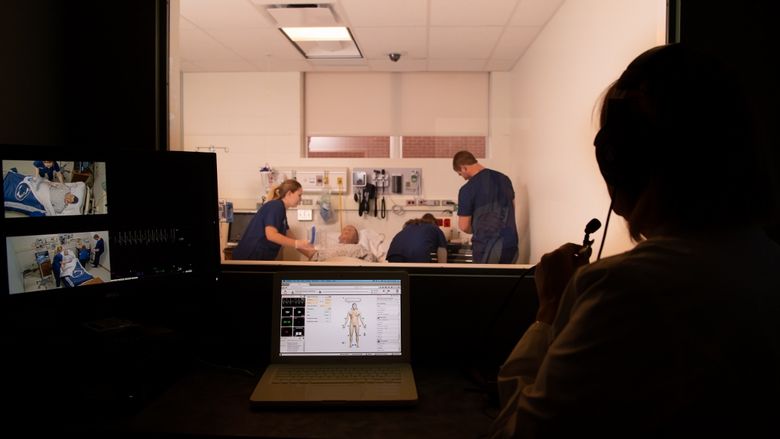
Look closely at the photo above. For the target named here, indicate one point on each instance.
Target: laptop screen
(340, 315)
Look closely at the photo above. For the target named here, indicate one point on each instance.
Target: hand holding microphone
(592, 226)
(555, 270)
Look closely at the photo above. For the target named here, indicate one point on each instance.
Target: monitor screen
(238, 226)
(61, 232)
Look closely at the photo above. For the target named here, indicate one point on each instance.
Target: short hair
(463, 158)
(428, 218)
(96, 236)
(75, 199)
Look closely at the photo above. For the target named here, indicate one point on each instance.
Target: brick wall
(442, 146)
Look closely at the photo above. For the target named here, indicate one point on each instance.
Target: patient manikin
(60, 196)
(348, 246)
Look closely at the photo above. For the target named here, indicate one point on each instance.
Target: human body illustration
(355, 321)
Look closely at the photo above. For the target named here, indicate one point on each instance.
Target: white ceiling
(430, 35)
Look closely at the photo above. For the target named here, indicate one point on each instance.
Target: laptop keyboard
(337, 374)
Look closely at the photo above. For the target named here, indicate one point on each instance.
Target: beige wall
(540, 128)
(555, 87)
(257, 117)
(174, 80)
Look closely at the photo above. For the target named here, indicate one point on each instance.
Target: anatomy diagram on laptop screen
(361, 317)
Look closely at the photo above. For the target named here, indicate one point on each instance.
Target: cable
(341, 225)
(606, 226)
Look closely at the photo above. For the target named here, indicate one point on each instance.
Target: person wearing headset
(680, 335)
(267, 232)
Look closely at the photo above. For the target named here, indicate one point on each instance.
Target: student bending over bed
(417, 240)
(347, 247)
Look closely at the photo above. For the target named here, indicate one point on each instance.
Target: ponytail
(278, 192)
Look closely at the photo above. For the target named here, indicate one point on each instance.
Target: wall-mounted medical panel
(317, 179)
(399, 181)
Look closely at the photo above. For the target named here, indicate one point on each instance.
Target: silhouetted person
(680, 336)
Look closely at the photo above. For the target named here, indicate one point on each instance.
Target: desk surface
(215, 402)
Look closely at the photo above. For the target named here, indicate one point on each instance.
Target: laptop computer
(339, 338)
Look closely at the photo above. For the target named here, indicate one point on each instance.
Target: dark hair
(462, 158)
(75, 199)
(428, 218)
(425, 219)
(676, 141)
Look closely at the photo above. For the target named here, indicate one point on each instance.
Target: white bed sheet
(41, 192)
(371, 240)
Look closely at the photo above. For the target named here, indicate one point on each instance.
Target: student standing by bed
(100, 247)
(267, 232)
(49, 169)
(56, 265)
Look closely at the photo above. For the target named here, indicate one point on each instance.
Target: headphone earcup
(623, 145)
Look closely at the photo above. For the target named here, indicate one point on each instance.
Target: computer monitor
(61, 230)
(237, 228)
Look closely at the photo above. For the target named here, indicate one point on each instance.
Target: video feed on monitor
(54, 188)
(52, 261)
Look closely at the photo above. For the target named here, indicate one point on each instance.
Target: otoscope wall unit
(317, 179)
(399, 181)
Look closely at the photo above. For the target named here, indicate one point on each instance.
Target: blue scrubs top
(57, 264)
(488, 198)
(43, 171)
(254, 245)
(415, 243)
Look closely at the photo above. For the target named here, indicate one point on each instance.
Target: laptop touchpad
(333, 392)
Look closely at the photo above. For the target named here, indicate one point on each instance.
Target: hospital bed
(373, 242)
(74, 274)
(24, 196)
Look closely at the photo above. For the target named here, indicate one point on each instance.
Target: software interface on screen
(328, 317)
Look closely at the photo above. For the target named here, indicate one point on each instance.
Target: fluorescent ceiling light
(333, 42)
(317, 33)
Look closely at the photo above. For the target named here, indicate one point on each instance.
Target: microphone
(591, 227)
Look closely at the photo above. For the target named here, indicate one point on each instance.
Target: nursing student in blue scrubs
(486, 209)
(268, 231)
(417, 240)
(49, 169)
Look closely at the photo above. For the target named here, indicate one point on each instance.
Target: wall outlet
(305, 215)
(307, 201)
(411, 203)
(428, 203)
